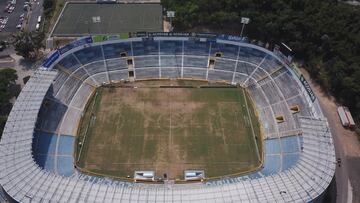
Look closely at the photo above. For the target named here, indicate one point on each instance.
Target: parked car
(11, 9)
(4, 20)
(7, 7)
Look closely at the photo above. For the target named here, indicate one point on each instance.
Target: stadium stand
(228, 51)
(89, 54)
(114, 50)
(226, 65)
(196, 48)
(169, 47)
(146, 61)
(116, 64)
(118, 75)
(170, 61)
(95, 67)
(36, 162)
(148, 47)
(69, 63)
(195, 61)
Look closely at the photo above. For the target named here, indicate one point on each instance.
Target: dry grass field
(169, 130)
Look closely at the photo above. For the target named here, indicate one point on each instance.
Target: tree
(8, 77)
(27, 44)
(323, 34)
(49, 6)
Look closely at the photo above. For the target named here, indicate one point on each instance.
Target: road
(347, 148)
(36, 11)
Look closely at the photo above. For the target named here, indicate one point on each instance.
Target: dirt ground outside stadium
(153, 126)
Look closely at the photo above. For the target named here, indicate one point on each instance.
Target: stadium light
(170, 15)
(244, 21)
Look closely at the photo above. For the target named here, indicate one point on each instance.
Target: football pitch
(158, 127)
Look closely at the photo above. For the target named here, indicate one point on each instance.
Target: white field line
(170, 138)
(222, 128)
(182, 60)
(83, 141)
(160, 60)
(350, 193)
(252, 128)
(105, 64)
(207, 69)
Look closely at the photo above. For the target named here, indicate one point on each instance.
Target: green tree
(27, 44)
(325, 34)
(49, 6)
(8, 77)
(2, 124)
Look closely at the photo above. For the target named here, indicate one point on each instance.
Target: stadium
(39, 149)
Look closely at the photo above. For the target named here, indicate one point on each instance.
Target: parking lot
(14, 15)
(13, 18)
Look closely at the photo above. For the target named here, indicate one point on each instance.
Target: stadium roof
(79, 19)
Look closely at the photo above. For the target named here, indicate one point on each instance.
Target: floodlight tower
(170, 15)
(244, 21)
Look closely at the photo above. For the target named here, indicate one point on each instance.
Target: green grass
(99, 38)
(170, 130)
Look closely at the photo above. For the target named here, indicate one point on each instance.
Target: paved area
(23, 68)
(7, 51)
(13, 18)
(347, 148)
(36, 11)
